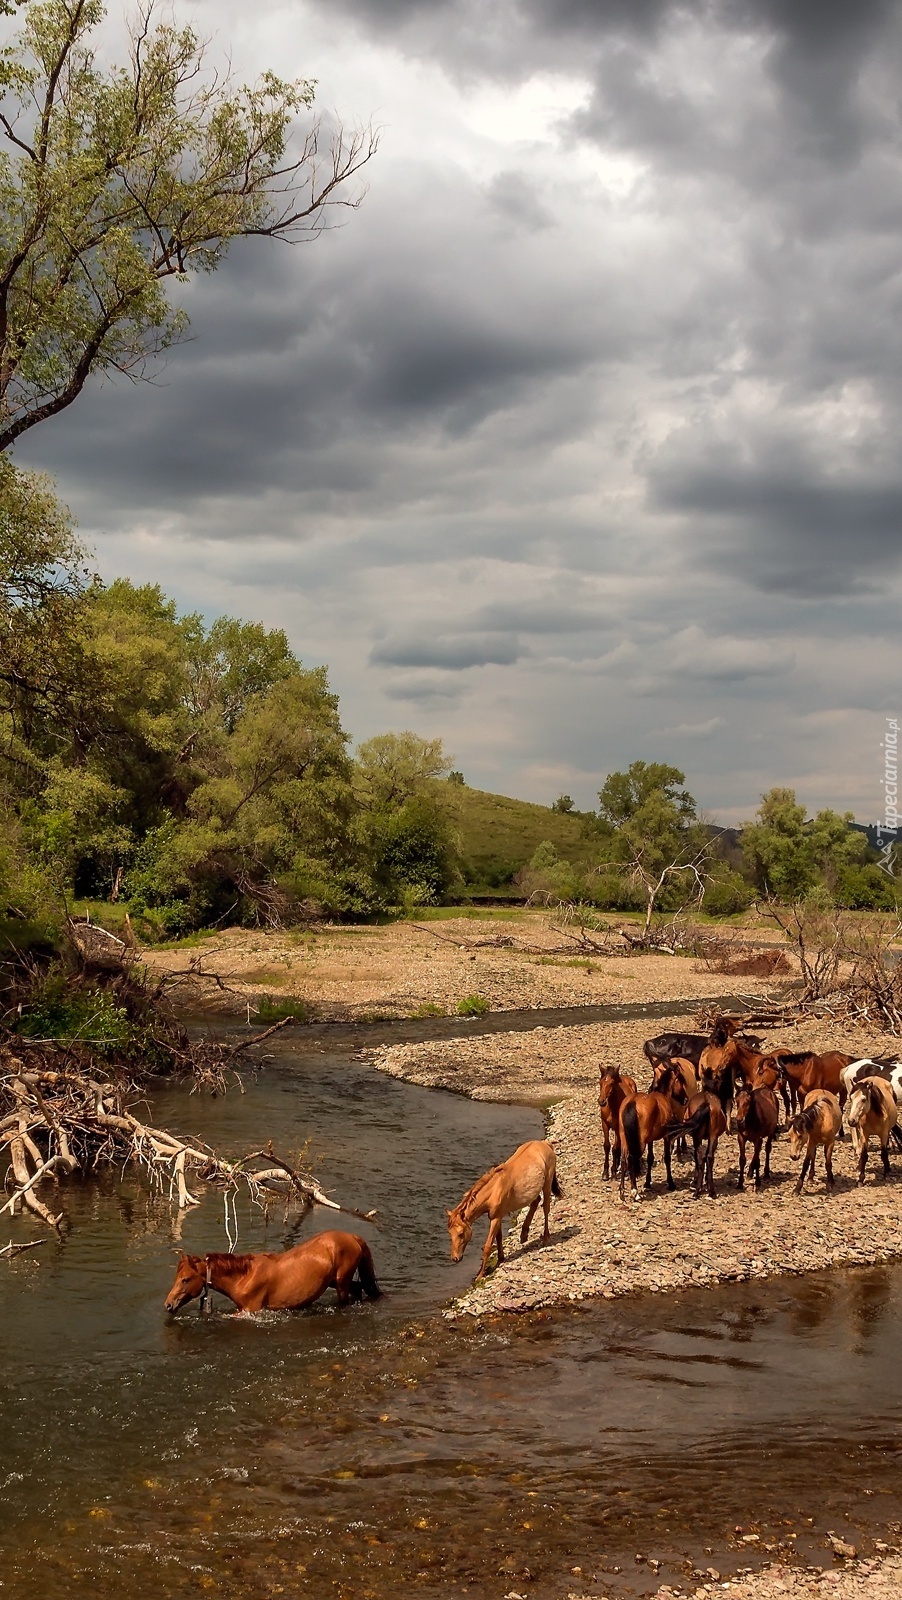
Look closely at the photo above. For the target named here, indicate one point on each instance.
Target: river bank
(877, 1579)
(603, 1247)
(509, 961)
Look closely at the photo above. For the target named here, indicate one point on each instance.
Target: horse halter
(205, 1291)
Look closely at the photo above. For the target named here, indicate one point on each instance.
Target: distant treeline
(199, 774)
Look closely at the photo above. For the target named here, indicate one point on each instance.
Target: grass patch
(271, 1010)
(473, 1005)
(429, 1009)
(565, 961)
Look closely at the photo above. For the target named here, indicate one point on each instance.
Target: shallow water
(337, 1454)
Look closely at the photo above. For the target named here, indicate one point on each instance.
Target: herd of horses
(702, 1085)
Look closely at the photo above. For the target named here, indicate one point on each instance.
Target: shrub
(271, 1010)
(472, 1005)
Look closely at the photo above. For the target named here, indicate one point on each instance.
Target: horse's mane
(795, 1057)
(229, 1262)
(720, 1035)
(470, 1194)
(804, 1121)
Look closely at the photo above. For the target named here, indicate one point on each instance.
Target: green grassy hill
(499, 835)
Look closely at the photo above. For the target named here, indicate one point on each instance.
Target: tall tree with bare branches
(114, 180)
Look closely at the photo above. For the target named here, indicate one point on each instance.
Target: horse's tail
(629, 1120)
(691, 1125)
(366, 1273)
(556, 1187)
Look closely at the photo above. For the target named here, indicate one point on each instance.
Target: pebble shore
(877, 1579)
(602, 1246)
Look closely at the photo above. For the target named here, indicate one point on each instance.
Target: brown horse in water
(613, 1088)
(527, 1177)
(282, 1280)
(643, 1119)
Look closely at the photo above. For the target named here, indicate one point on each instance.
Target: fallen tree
(56, 1120)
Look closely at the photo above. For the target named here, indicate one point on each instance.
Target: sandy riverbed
(404, 969)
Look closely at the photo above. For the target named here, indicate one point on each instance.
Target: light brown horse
(280, 1280)
(527, 1177)
(818, 1123)
(757, 1117)
(613, 1088)
(643, 1119)
(871, 1109)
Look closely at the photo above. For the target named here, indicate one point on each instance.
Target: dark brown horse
(280, 1280)
(613, 1088)
(806, 1071)
(705, 1121)
(757, 1116)
(643, 1119)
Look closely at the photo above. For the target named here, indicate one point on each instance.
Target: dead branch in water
(56, 1120)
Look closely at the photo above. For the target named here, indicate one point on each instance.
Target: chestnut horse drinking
(280, 1280)
(527, 1177)
(613, 1088)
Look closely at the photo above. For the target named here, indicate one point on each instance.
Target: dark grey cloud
(580, 438)
(456, 653)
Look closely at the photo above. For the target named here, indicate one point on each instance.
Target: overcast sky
(581, 440)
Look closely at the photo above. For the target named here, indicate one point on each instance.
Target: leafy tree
(790, 857)
(562, 803)
(649, 830)
(404, 824)
(393, 767)
(113, 181)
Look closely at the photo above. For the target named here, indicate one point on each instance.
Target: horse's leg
(524, 1231)
(884, 1152)
(546, 1208)
(702, 1150)
(828, 1160)
(618, 1152)
(607, 1151)
(804, 1172)
(493, 1237)
(862, 1160)
(755, 1168)
(767, 1150)
(668, 1151)
(649, 1163)
(741, 1180)
(709, 1168)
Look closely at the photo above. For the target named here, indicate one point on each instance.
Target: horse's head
(669, 1080)
(766, 1072)
(607, 1083)
(742, 1105)
(190, 1281)
(461, 1232)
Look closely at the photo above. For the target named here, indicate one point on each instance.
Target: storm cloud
(579, 442)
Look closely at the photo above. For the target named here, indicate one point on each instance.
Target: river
(326, 1454)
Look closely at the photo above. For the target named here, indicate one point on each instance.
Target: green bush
(57, 1010)
(271, 1010)
(472, 1005)
(726, 893)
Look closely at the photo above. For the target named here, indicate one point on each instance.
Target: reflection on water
(331, 1455)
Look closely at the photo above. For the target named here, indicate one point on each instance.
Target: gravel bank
(878, 1579)
(601, 1246)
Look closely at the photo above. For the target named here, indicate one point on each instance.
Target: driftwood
(55, 1121)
